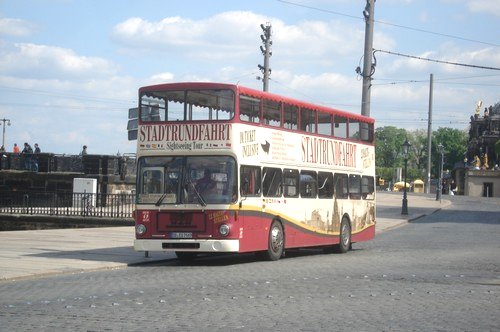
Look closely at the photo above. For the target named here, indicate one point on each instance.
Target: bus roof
(252, 93)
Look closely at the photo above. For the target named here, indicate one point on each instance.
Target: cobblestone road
(440, 273)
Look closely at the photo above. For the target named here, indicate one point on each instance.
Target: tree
(418, 141)
(454, 142)
(388, 146)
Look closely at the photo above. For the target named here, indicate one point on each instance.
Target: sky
(71, 69)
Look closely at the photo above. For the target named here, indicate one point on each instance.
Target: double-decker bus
(225, 168)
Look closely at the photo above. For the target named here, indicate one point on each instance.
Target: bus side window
(308, 120)
(325, 184)
(291, 117)
(308, 184)
(271, 182)
(340, 127)
(291, 183)
(324, 124)
(249, 109)
(354, 129)
(366, 132)
(367, 187)
(272, 113)
(250, 181)
(341, 186)
(354, 186)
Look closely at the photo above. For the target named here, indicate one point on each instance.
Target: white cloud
(209, 38)
(46, 62)
(163, 77)
(484, 6)
(233, 37)
(16, 27)
(62, 96)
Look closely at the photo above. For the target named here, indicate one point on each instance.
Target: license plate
(181, 235)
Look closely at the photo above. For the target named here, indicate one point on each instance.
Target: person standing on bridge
(35, 158)
(84, 151)
(28, 156)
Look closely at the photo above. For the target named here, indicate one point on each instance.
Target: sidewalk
(28, 254)
(389, 206)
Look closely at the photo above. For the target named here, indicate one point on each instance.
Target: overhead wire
(436, 80)
(437, 61)
(389, 24)
(67, 95)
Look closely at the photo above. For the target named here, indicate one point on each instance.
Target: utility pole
(439, 189)
(5, 122)
(368, 66)
(429, 137)
(266, 51)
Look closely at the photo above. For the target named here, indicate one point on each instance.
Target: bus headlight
(140, 229)
(224, 230)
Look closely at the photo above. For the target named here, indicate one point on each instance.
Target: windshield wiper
(198, 195)
(158, 203)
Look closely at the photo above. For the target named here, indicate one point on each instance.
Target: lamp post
(406, 150)
(440, 149)
(5, 122)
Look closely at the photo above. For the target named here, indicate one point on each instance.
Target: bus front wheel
(276, 242)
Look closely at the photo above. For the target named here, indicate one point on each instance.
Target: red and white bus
(224, 168)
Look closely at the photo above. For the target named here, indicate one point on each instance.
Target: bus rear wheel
(345, 237)
(276, 242)
(185, 256)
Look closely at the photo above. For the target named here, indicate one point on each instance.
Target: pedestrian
(84, 151)
(16, 148)
(35, 159)
(28, 156)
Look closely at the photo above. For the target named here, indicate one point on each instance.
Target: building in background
(479, 175)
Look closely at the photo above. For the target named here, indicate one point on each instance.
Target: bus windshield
(183, 180)
(187, 105)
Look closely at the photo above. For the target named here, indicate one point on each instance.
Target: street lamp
(439, 193)
(5, 121)
(406, 150)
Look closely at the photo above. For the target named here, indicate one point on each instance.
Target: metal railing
(88, 164)
(68, 204)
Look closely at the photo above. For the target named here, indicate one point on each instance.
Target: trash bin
(418, 186)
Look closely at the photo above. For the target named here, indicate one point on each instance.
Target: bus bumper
(187, 245)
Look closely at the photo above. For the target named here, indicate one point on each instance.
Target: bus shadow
(221, 259)
(125, 255)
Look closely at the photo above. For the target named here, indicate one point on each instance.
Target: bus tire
(185, 256)
(344, 237)
(276, 242)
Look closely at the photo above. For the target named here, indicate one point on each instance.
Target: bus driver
(205, 185)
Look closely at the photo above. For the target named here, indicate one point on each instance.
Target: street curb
(427, 214)
(20, 222)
